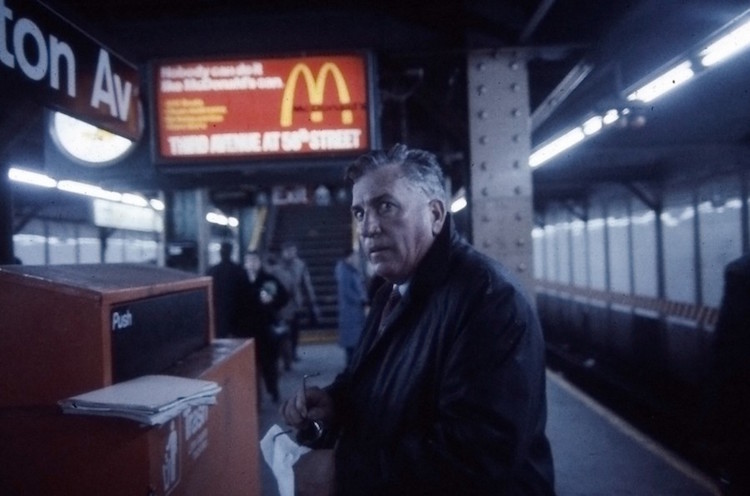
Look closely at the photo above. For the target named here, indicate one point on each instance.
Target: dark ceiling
(621, 41)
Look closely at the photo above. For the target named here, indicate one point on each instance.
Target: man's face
(396, 222)
(252, 262)
(289, 253)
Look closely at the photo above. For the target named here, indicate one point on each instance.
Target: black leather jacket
(450, 398)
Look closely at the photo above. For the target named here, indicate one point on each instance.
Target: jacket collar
(433, 268)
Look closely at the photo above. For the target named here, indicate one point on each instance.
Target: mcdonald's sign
(261, 107)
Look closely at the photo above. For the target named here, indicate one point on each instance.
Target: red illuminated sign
(242, 108)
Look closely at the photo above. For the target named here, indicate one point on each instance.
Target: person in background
(728, 402)
(229, 282)
(445, 394)
(293, 273)
(265, 297)
(352, 301)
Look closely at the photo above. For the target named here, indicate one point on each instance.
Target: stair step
(321, 235)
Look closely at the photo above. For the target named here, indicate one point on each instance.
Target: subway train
(600, 150)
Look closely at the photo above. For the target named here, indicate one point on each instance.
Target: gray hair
(420, 167)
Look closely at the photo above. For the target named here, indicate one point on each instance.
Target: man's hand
(308, 404)
(314, 474)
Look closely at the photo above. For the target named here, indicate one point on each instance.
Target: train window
(115, 252)
(618, 232)
(537, 238)
(550, 245)
(30, 244)
(89, 245)
(580, 253)
(643, 226)
(563, 244)
(720, 223)
(597, 257)
(62, 243)
(677, 219)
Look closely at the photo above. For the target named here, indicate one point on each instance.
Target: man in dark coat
(445, 394)
(229, 283)
(265, 297)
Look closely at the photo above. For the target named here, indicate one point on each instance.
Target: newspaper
(150, 399)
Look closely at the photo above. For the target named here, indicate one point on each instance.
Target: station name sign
(262, 107)
(66, 69)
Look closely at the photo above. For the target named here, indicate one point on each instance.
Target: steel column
(500, 138)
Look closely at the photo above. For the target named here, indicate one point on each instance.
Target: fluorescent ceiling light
(132, 199)
(593, 125)
(28, 177)
(88, 190)
(726, 46)
(664, 83)
(458, 204)
(44, 181)
(610, 117)
(222, 220)
(556, 147)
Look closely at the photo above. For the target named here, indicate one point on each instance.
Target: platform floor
(596, 453)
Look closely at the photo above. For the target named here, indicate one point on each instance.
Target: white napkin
(281, 453)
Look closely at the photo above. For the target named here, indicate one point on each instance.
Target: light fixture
(610, 116)
(664, 83)
(222, 220)
(88, 190)
(79, 188)
(557, 146)
(458, 204)
(726, 46)
(459, 201)
(86, 143)
(28, 177)
(593, 125)
(132, 199)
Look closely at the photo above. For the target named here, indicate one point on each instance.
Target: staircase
(322, 234)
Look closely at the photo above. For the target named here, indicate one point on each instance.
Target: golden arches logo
(315, 90)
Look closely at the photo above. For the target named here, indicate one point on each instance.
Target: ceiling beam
(561, 92)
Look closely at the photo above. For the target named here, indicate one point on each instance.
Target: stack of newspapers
(150, 399)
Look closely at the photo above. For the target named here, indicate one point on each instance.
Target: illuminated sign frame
(270, 108)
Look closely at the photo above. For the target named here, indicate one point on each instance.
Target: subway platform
(596, 453)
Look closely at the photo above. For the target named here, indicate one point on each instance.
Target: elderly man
(445, 394)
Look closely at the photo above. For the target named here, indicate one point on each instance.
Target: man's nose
(369, 225)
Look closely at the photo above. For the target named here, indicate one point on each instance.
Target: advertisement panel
(277, 107)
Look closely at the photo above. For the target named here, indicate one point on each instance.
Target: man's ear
(438, 213)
